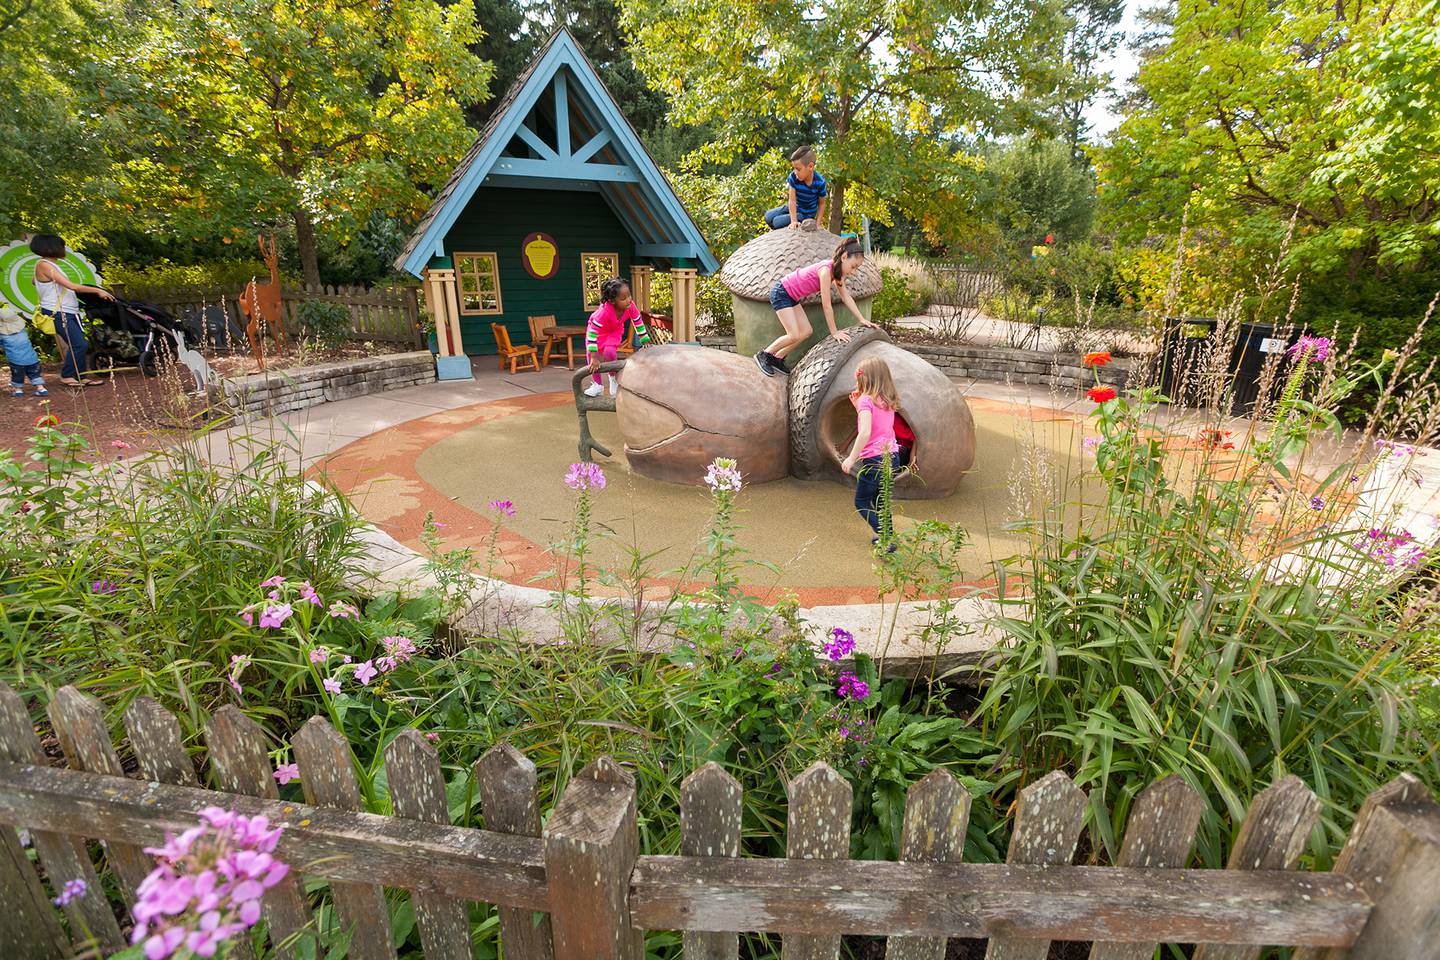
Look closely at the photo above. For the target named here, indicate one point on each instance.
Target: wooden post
(682, 282)
(817, 828)
(417, 792)
(1272, 837)
(1047, 828)
(328, 778)
(63, 856)
(937, 813)
(241, 765)
(1159, 833)
(591, 844)
(79, 724)
(1393, 854)
(640, 276)
(411, 298)
(155, 738)
(508, 799)
(442, 297)
(710, 809)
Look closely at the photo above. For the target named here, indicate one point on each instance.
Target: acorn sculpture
(681, 406)
(752, 270)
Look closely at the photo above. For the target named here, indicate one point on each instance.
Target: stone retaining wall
(1003, 364)
(269, 394)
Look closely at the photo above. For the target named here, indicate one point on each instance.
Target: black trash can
(1185, 349)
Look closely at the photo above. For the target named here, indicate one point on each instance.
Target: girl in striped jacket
(606, 330)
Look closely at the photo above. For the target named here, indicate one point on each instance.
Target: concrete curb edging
(284, 391)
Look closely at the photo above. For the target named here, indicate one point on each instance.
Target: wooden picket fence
(577, 887)
(379, 315)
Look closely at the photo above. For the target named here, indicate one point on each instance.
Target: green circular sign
(17, 275)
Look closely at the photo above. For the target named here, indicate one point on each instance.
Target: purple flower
(365, 672)
(1090, 444)
(1386, 448)
(585, 476)
(1394, 549)
(273, 582)
(852, 687)
(723, 475)
(399, 649)
(331, 685)
(319, 654)
(238, 662)
(1317, 502)
(275, 614)
(73, 890)
(207, 886)
(341, 610)
(287, 772)
(104, 587)
(1311, 348)
(433, 737)
(840, 645)
(503, 506)
(308, 594)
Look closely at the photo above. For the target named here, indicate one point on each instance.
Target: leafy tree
(1260, 115)
(506, 44)
(320, 112)
(889, 85)
(1035, 188)
(1093, 33)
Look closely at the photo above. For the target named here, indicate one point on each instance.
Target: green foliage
(896, 299)
(888, 86)
(1037, 188)
(1156, 636)
(212, 273)
(730, 209)
(327, 322)
(713, 304)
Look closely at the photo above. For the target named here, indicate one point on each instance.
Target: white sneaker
(594, 390)
(613, 386)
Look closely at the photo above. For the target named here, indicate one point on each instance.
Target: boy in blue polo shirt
(806, 187)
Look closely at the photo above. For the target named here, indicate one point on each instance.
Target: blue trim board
(561, 62)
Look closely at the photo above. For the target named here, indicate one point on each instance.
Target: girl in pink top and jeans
(788, 291)
(876, 405)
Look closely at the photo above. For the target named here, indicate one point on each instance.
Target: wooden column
(640, 277)
(683, 311)
(441, 297)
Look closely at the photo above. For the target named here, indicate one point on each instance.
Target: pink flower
(104, 587)
(341, 610)
(365, 672)
(331, 684)
(852, 687)
(275, 614)
(238, 663)
(308, 594)
(274, 581)
(120, 445)
(585, 476)
(319, 654)
(398, 648)
(247, 616)
(840, 645)
(1311, 348)
(723, 475)
(433, 737)
(503, 506)
(287, 772)
(74, 889)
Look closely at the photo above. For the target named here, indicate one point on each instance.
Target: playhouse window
(479, 277)
(596, 268)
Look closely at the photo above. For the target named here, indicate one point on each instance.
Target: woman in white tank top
(58, 301)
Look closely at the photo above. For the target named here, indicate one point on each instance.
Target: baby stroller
(132, 333)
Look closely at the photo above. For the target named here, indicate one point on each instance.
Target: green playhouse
(556, 195)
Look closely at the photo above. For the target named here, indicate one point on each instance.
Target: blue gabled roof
(612, 161)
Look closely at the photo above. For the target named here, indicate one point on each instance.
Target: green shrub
(896, 299)
(715, 313)
(327, 322)
(163, 274)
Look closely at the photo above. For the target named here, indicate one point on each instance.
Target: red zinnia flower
(1098, 359)
(1101, 394)
(47, 420)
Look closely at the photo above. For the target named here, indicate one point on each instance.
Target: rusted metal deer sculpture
(262, 306)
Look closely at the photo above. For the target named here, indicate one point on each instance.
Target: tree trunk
(305, 241)
(837, 208)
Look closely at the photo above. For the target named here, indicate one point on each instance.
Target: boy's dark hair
(47, 245)
(611, 288)
(803, 155)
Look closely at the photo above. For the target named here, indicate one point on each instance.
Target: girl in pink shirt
(606, 330)
(876, 406)
(789, 291)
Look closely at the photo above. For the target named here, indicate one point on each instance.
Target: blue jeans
(780, 216)
(868, 474)
(73, 347)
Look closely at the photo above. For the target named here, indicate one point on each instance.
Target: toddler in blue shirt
(24, 362)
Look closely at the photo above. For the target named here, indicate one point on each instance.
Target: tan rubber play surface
(453, 464)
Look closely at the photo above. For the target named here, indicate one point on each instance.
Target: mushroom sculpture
(753, 269)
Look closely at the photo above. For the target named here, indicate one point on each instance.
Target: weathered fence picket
(817, 828)
(580, 888)
(328, 779)
(417, 792)
(710, 810)
(1047, 829)
(509, 800)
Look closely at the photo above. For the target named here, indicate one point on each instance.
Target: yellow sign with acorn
(540, 255)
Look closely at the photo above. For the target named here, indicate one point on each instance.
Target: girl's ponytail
(847, 247)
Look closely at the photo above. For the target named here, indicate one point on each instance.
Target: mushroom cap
(753, 269)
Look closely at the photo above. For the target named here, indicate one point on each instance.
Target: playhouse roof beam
(540, 146)
(675, 251)
(563, 170)
(591, 147)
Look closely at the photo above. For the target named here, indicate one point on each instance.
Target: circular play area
(452, 465)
